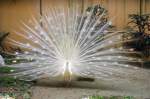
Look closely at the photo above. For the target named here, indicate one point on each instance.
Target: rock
(1, 61)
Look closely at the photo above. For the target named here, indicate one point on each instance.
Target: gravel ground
(54, 88)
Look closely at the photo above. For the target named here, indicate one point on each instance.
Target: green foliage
(97, 10)
(141, 22)
(6, 69)
(139, 26)
(7, 81)
(10, 61)
(5, 55)
(20, 87)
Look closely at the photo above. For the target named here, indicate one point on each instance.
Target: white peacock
(70, 42)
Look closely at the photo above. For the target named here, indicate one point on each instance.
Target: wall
(13, 11)
(120, 9)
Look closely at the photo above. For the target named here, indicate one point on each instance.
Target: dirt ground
(54, 88)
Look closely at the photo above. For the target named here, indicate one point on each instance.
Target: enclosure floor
(77, 93)
(54, 88)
